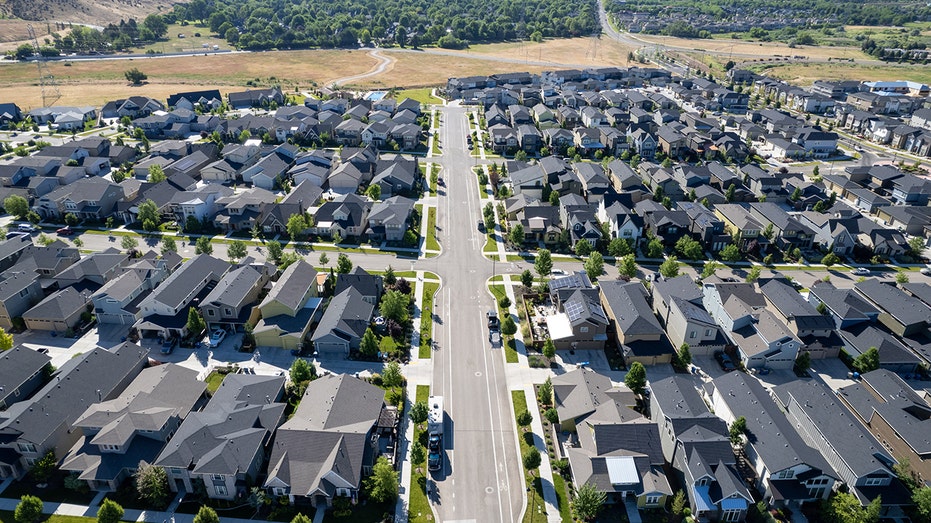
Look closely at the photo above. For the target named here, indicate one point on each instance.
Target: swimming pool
(375, 96)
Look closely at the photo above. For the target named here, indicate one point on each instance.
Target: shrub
(524, 418)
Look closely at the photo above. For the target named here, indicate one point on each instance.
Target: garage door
(118, 319)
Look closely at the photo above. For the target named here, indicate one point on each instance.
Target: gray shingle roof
(904, 308)
(630, 308)
(17, 366)
(347, 316)
(234, 287)
(293, 285)
(178, 287)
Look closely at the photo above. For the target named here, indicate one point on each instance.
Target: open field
(741, 50)
(421, 69)
(805, 74)
(579, 51)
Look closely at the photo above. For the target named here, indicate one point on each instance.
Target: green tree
(391, 375)
(583, 248)
(526, 278)
(157, 174)
(44, 467)
(830, 259)
(532, 458)
(588, 502)
(754, 274)
(236, 250)
(670, 267)
(545, 392)
(168, 244)
(768, 231)
(679, 502)
(803, 361)
(709, 269)
(867, 361)
(730, 253)
(922, 500)
(916, 245)
(129, 242)
(203, 246)
(594, 265)
(382, 485)
(374, 192)
(195, 322)
(516, 236)
(148, 215)
(901, 278)
(418, 453)
(28, 510)
(296, 225)
(508, 327)
(109, 512)
(627, 266)
(302, 371)
(343, 264)
(419, 412)
(796, 194)
(729, 195)
(192, 224)
(543, 263)
(636, 378)
(685, 355)
(618, 247)
(152, 484)
(549, 348)
(16, 205)
(24, 51)
(654, 249)
(6, 340)
(844, 507)
(135, 76)
(689, 248)
(394, 306)
(737, 430)
(274, 250)
(206, 515)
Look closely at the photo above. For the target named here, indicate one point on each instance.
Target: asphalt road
(481, 480)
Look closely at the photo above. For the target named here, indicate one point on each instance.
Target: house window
(730, 515)
(278, 491)
(708, 332)
(228, 311)
(23, 292)
(692, 334)
(652, 499)
(216, 477)
(785, 474)
(626, 233)
(31, 462)
(27, 447)
(210, 313)
(583, 329)
(220, 490)
(343, 493)
(874, 482)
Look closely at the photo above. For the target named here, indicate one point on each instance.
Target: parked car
(727, 364)
(26, 227)
(169, 345)
(16, 234)
(65, 231)
(481, 226)
(925, 270)
(493, 322)
(216, 338)
(861, 271)
(557, 272)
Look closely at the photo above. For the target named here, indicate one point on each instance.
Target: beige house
(284, 317)
(58, 312)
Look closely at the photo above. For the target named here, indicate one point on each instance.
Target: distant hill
(91, 12)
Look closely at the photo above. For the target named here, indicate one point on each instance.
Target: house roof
(793, 307)
(770, 434)
(58, 305)
(232, 428)
(80, 382)
(234, 287)
(178, 287)
(347, 316)
(906, 309)
(678, 398)
(844, 303)
(628, 305)
(680, 287)
(368, 285)
(862, 337)
(327, 434)
(293, 285)
(17, 366)
(582, 391)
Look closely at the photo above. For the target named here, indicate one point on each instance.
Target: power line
(47, 82)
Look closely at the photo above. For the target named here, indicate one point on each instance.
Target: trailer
(435, 419)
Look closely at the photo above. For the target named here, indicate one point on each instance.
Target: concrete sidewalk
(148, 516)
(546, 471)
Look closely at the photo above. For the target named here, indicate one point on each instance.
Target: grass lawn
(419, 509)
(559, 484)
(7, 517)
(510, 345)
(214, 379)
(368, 513)
(435, 147)
(388, 345)
(490, 244)
(432, 244)
(436, 119)
(426, 319)
(423, 95)
(536, 507)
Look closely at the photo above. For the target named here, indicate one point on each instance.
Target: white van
(26, 227)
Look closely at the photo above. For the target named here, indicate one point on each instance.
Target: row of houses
(107, 412)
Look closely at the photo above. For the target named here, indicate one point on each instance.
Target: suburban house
(165, 309)
(228, 304)
(133, 427)
(117, 301)
(284, 317)
(22, 371)
(815, 330)
(845, 306)
(635, 328)
(578, 393)
(59, 312)
(327, 446)
(255, 98)
(858, 458)
(346, 216)
(789, 471)
(697, 445)
(30, 429)
(343, 323)
(580, 322)
(900, 312)
(19, 291)
(389, 219)
(87, 198)
(224, 445)
(895, 415)
(678, 304)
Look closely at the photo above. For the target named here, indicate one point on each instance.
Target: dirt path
(384, 64)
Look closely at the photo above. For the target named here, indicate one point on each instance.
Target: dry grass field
(579, 51)
(805, 74)
(742, 50)
(428, 69)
